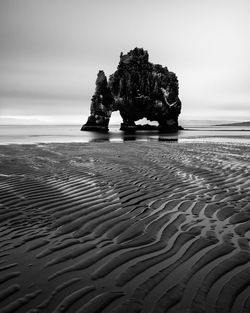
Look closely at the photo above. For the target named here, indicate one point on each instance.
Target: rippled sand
(125, 227)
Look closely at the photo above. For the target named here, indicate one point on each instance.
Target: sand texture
(125, 227)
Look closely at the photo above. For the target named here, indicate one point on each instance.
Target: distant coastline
(236, 124)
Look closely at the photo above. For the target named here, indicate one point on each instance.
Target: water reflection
(168, 139)
(98, 137)
(122, 136)
(213, 134)
(70, 133)
(128, 136)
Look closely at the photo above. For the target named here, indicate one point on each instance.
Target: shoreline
(132, 227)
(244, 140)
(67, 134)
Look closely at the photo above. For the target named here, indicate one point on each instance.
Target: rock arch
(137, 89)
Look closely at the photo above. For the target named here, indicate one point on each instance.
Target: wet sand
(125, 227)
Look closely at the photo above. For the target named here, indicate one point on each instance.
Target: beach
(135, 226)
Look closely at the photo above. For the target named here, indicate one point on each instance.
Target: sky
(51, 51)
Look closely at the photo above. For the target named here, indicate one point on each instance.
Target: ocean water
(31, 134)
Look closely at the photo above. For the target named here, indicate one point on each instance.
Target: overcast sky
(51, 51)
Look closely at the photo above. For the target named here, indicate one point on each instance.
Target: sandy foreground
(125, 227)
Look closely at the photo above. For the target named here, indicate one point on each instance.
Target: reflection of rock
(137, 89)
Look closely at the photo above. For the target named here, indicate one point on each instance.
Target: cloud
(51, 51)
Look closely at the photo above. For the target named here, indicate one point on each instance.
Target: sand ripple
(126, 227)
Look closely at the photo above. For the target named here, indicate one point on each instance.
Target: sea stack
(138, 89)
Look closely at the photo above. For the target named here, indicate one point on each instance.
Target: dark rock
(137, 89)
(146, 127)
(101, 106)
(128, 126)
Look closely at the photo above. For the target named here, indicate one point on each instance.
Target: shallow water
(30, 134)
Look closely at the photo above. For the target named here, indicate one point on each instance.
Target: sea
(34, 134)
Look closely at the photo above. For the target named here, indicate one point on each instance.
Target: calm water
(71, 133)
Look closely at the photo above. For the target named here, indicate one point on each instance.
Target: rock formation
(137, 89)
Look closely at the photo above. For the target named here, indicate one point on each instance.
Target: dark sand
(125, 227)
